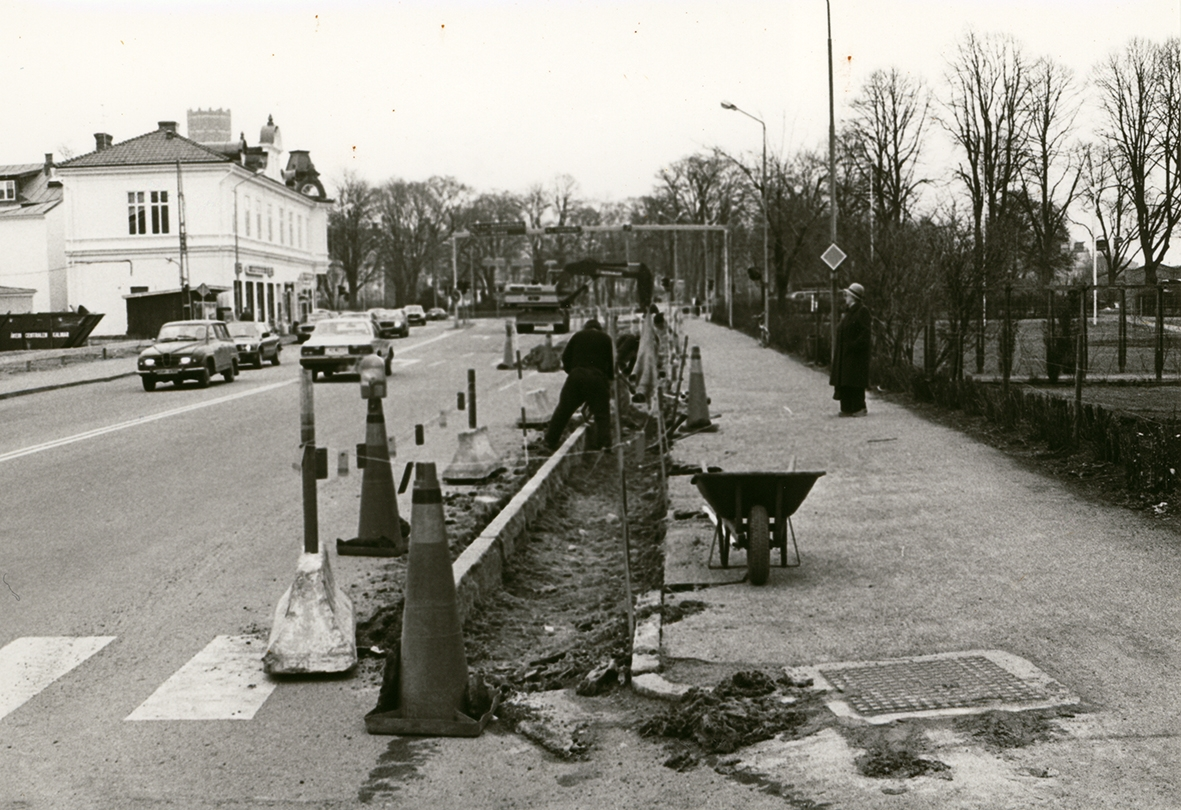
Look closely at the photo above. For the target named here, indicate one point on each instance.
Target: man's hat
(856, 289)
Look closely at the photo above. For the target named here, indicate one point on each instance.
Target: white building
(160, 210)
(32, 261)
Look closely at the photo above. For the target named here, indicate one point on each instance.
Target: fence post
(1080, 364)
(980, 333)
(1160, 331)
(1082, 325)
(1122, 342)
(929, 347)
(1007, 344)
(1050, 343)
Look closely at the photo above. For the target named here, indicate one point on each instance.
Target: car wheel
(315, 375)
(327, 374)
(258, 359)
(389, 363)
(525, 328)
(228, 374)
(275, 359)
(149, 383)
(203, 379)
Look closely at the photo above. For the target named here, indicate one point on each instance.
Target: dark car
(436, 314)
(304, 330)
(392, 320)
(189, 350)
(256, 343)
(415, 314)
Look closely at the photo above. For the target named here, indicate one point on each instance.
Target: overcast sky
(498, 94)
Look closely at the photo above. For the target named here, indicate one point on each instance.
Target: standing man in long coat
(850, 359)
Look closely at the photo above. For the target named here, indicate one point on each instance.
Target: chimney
(168, 126)
(49, 163)
(102, 141)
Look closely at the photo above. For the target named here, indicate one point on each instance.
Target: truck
(549, 304)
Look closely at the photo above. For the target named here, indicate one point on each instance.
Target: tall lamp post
(726, 105)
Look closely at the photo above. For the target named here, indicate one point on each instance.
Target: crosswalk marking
(29, 664)
(225, 681)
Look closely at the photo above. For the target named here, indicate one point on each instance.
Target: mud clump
(741, 710)
(1001, 730)
(676, 612)
(885, 762)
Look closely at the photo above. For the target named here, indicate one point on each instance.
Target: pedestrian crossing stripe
(30, 664)
(225, 681)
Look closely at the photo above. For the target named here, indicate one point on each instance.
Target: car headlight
(147, 362)
(187, 361)
(246, 347)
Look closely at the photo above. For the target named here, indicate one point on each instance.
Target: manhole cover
(925, 685)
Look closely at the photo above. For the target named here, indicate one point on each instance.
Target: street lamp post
(726, 105)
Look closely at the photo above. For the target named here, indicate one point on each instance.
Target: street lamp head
(726, 105)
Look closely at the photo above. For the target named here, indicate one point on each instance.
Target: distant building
(249, 226)
(33, 261)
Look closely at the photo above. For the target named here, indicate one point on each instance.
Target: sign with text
(498, 228)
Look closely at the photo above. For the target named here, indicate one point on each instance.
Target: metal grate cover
(947, 683)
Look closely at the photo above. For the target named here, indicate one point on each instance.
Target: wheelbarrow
(753, 511)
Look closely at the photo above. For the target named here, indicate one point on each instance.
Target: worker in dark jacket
(850, 358)
(589, 363)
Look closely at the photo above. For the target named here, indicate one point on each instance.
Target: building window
(137, 212)
(270, 223)
(7, 191)
(248, 216)
(291, 228)
(300, 219)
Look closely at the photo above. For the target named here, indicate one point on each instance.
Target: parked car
(338, 345)
(304, 329)
(256, 343)
(415, 314)
(436, 314)
(392, 319)
(189, 350)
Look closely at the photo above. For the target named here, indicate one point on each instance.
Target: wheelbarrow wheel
(758, 552)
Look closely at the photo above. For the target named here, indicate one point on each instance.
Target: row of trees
(919, 235)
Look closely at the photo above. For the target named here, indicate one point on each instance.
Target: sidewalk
(27, 372)
(919, 541)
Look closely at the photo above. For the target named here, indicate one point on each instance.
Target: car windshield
(350, 327)
(181, 331)
(244, 329)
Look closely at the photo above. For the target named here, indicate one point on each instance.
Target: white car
(337, 345)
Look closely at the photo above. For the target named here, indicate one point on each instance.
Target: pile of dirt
(893, 752)
(741, 710)
(1001, 730)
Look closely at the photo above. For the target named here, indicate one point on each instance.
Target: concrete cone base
(461, 725)
(550, 360)
(474, 460)
(538, 410)
(314, 628)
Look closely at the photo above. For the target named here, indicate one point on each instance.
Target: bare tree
(417, 218)
(1140, 90)
(1105, 194)
(988, 119)
(1050, 177)
(353, 234)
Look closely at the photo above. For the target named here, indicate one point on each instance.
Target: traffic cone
(550, 360)
(432, 689)
(698, 418)
(314, 628)
(509, 355)
(538, 409)
(379, 531)
(474, 460)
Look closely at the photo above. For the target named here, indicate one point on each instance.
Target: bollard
(471, 396)
(342, 463)
(419, 438)
(307, 440)
(459, 402)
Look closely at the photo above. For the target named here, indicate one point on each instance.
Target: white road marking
(29, 664)
(425, 342)
(515, 382)
(142, 420)
(225, 681)
(401, 361)
(437, 363)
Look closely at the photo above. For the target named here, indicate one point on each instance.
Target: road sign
(833, 256)
(561, 229)
(498, 228)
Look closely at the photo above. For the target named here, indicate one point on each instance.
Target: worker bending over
(589, 363)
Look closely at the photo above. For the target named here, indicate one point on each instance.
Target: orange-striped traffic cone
(379, 531)
(432, 668)
(509, 355)
(698, 418)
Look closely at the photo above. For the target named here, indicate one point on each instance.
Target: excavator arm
(633, 270)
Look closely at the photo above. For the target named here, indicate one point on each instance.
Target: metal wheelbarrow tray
(754, 509)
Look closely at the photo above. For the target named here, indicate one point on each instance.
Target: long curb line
(56, 386)
(478, 571)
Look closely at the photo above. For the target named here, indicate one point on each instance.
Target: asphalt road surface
(146, 539)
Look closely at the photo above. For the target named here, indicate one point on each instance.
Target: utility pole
(186, 299)
(832, 184)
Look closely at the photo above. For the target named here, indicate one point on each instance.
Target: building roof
(37, 193)
(9, 291)
(12, 170)
(158, 147)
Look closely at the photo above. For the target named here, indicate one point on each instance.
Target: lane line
(507, 386)
(29, 664)
(142, 420)
(225, 681)
(424, 343)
